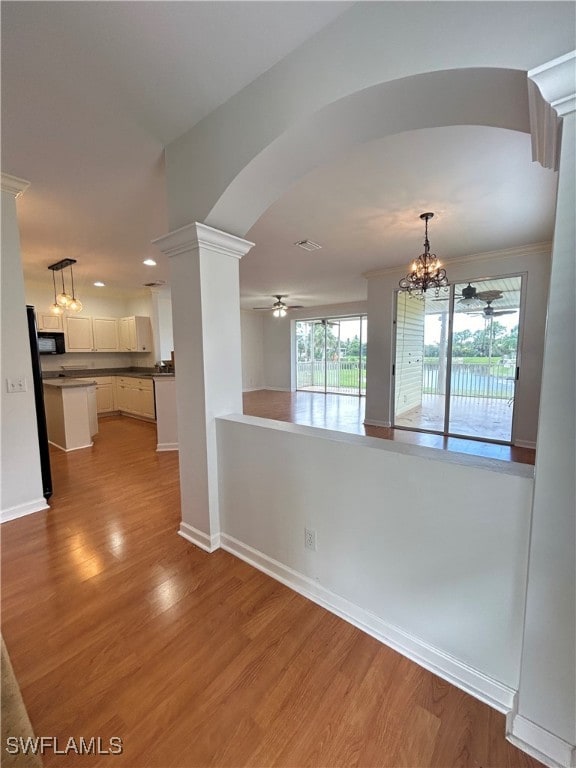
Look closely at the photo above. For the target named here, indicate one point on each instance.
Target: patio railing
(346, 376)
(494, 380)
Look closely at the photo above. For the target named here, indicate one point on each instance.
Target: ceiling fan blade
(499, 312)
(294, 306)
(265, 308)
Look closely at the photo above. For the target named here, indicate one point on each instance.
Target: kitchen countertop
(139, 373)
(64, 383)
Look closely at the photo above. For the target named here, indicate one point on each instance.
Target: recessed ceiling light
(149, 262)
(99, 284)
(308, 245)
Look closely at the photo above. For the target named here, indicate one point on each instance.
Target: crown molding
(544, 249)
(194, 236)
(13, 184)
(551, 95)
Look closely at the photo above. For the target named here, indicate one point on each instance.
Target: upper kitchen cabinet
(91, 334)
(135, 334)
(48, 322)
(79, 337)
(105, 333)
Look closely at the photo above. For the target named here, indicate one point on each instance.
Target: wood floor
(345, 413)
(118, 627)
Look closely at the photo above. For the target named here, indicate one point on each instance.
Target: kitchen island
(70, 412)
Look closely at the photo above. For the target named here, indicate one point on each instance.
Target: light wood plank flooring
(345, 413)
(118, 627)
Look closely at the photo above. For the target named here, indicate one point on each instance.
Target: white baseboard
(278, 389)
(68, 450)
(254, 389)
(199, 538)
(375, 423)
(525, 444)
(477, 684)
(539, 743)
(20, 510)
(167, 447)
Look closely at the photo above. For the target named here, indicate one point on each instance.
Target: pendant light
(65, 300)
(426, 271)
(55, 308)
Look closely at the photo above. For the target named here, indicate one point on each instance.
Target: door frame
(451, 300)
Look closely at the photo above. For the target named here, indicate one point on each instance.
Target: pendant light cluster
(426, 271)
(64, 300)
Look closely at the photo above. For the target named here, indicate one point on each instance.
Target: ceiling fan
(279, 308)
(489, 311)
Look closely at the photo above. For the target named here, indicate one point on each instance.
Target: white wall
(279, 341)
(446, 567)
(532, 260)
(21, 485)
(252, 327)
(96, 303)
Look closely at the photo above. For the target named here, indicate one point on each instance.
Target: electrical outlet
(310, 539)
(17, 385)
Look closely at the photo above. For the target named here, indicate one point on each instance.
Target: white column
(545, 719)
(21, 478)
(207, 351)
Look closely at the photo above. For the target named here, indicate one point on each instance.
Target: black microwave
(51, 343)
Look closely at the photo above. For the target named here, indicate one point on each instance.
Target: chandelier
(426, 271)
(64, 300)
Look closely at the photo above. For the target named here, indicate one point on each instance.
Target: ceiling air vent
(155, 284)
(308, 245)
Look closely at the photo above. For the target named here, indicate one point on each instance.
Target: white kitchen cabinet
(123, 395)
(79, 337)
(105, 334)
(135, 334)
(105, 394)
(135, 397)
(91, 334)
(48, 322)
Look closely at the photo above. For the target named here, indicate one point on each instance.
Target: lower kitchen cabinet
(105, 399)
(135, 397)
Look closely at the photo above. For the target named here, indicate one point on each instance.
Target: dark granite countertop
(81, 373)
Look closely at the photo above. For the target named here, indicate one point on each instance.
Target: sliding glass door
(456, 360)
(331, 355)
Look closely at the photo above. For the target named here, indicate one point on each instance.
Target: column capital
(13, 184)
(551, 95)
(194, 236)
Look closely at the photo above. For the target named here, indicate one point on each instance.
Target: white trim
(556, 81)
(167, 447)
(525, 444)
(13, 184)
(474, 682)
(253, 389)
(539, 743)
(194, 236)
(504, 253)
(20, 510)
(376, 423)
(68, 450)
(199, 538)
(279, 389)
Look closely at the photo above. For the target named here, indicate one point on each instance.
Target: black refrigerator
(40, 410)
